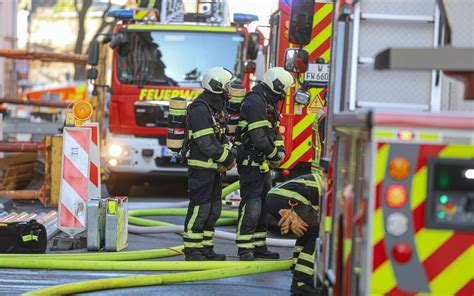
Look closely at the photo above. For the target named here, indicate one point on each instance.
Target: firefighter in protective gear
(259, 148)
(293, 208)
(209, 155)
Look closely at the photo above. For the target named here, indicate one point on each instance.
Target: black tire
(118, 185)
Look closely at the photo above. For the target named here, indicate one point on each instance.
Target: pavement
(18, 281)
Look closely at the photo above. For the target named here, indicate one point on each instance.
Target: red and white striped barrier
(94, 161)
(74, 187)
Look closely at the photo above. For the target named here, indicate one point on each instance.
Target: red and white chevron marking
(94, 160)
(74, 189)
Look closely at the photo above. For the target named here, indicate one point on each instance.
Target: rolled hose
(161, 279)
(272, 242)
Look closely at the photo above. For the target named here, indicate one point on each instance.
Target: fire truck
(159, 54)
(398, 217)
(299, 114)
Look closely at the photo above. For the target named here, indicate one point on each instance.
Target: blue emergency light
(121, 14)
(244, 18)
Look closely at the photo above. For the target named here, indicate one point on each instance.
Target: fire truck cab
(159, 54)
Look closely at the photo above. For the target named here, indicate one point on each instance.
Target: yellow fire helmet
(217, 79)
(278, 80)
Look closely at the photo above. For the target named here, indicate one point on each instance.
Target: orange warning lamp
(399, 168)
(82, 111)
(396, 196)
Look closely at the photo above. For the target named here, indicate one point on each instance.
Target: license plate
(317, 73)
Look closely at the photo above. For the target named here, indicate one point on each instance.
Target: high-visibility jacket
(206, 132)
(258, 126)
(304, 190)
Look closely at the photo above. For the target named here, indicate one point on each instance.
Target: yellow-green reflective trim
(328, 224)
(181, 28)
(298, 248)
(244, 237)
(306, 257)
(202, 164)
(177, 112)
(260, 235)
(384, 134)
(242, 123)
(290, 194)
(240, 220)
(306, 182)
(251, 163)
(193, 219)
(279, 143)
(224, 155)
(208, 233)
(259, 243)
(236, 99)
(192, 245)
(274, 152)
(192, 235)
(246, 246)
(202, 133)
(429, 136)
(207, 243)
(304, 269)
(259, 124)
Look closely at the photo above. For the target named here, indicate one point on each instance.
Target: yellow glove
(297, 225)
(284, 222)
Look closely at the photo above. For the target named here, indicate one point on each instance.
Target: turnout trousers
(205, 205)
(251, 228)
(304, 251)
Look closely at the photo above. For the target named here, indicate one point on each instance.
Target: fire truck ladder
(378, 25)
(172, 11)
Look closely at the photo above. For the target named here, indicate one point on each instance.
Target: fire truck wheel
(118, 185)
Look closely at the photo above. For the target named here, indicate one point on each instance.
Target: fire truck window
(275, 27)
(178, 58)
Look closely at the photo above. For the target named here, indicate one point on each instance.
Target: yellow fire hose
(152, 280)
(208, 270)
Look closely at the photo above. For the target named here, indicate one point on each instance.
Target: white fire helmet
(217, 79)
(278, 80)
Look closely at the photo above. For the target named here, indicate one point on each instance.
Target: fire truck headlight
(115, 150)
(113, 162)
(396, 224)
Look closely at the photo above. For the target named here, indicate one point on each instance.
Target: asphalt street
(15, 282)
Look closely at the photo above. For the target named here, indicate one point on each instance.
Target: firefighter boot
(264, 253)
(302, 289)
(209, 253)
(248, 256)
(194, 256)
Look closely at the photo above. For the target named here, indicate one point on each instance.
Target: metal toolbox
(116, 223)
(96, 208)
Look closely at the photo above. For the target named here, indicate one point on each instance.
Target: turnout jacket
(304, 190)
(206, 133)
(258, 124)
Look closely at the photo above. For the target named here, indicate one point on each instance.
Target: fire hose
(106, 261)
(154, 227)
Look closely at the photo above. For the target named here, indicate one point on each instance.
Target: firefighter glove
(221, 168)
(284, 222)
(297, 225)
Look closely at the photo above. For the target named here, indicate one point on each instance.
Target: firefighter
(259, 148)
(209, 156)
(293, 207)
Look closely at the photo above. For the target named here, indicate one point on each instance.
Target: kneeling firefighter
(259, 147)
(293, 207)
(209, 156)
